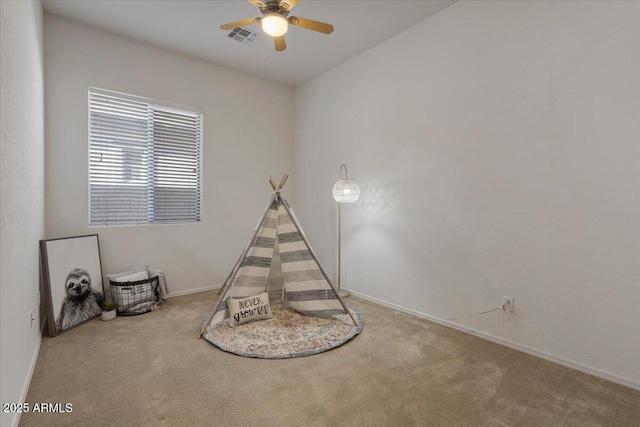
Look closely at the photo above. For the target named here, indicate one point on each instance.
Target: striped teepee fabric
(253, 271)
(308, 291)
(307, 288)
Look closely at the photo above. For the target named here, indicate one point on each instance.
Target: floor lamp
(345, 190)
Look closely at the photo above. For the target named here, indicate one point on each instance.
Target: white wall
(247, 136)
(21, 195)
(498, 147)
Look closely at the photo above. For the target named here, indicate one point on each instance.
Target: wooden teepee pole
(282, 181)
(273, 183)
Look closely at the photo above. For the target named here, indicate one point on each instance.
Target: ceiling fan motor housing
(273, 7)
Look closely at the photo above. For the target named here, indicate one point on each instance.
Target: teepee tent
(279, 236)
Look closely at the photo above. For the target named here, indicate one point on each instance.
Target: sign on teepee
(306, 286)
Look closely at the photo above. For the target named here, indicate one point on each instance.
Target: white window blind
(144, 161)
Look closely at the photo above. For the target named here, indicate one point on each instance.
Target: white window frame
(171, 166)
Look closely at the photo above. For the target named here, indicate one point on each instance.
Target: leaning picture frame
(73, 285)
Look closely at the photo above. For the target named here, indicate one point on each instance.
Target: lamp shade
(345, 190)
(274, 25)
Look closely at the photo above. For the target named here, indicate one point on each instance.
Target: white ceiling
(193, 27)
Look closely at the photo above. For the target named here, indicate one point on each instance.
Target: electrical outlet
(508, 304)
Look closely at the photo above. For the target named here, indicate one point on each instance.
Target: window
(144, 161)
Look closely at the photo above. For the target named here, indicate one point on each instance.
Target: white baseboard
(27, 381)
(193, 291)
(507, 343)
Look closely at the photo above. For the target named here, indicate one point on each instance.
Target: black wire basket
(137, 297)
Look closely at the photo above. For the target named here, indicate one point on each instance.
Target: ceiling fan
(275, 20)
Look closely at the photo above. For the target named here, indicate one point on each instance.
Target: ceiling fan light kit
(274, 25)
(275, 22)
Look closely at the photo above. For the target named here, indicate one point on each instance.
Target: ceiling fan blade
(288, 4)
(257, 3)
(232, 25)
(280, 44)
(310, 24)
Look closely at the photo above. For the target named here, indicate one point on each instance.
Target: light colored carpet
(152, 370)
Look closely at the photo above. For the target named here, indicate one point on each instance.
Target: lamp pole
(345, 190)
(343, 294)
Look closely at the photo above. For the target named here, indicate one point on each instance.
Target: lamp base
(343, 293)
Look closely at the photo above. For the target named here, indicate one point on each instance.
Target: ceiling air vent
(243, 35)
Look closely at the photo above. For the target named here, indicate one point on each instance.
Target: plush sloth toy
(81, 302)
